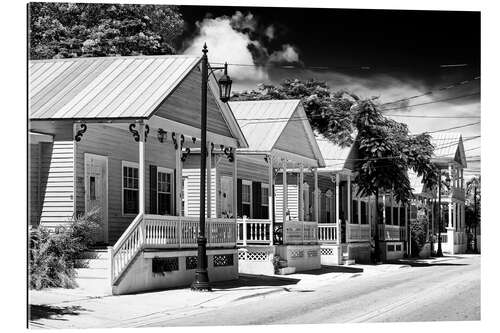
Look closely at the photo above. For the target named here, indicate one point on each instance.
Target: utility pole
(475, 218)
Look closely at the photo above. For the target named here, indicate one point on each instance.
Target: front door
(96, 193)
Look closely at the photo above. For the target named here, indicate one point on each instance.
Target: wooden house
(110, 134)
(280, 139)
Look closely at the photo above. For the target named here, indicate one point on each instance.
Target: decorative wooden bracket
(194, 139)
(80, 132)
(185, 154)
(174, 139)
(229, 153)
(212, 147)
(161, 135)
(135, 133)
(182, 140)
(146, 132)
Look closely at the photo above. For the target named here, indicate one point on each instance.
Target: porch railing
(391, 232)
(255, 231)
(169, 232)
(327, 232)
(359, 232)
(300, 232)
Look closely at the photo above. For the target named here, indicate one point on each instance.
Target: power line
(446, 129)
(432, 102)
(426, 116)
(430, 92)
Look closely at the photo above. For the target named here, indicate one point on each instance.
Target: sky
(391, 54)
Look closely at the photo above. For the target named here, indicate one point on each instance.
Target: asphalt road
(444, 291)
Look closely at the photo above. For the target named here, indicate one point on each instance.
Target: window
(402, 216)
(264, 191)
(164, 191)
(364, 213)
(329, 206)
(130, 175)
(354, 210)
(226, 197)
(92, 188)
(395, 215)
(246, 198)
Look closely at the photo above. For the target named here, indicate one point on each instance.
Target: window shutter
(153, 187)
(256, 200)
(239, 185)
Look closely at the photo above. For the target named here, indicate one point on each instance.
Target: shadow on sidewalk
(53, 312)
(247, 280)
(333, 269)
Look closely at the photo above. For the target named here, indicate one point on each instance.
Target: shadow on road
(333, 269)
(53, 312)
(246, 280)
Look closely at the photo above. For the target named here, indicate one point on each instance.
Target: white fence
(157, 231)
(327, 232)
(255, 231)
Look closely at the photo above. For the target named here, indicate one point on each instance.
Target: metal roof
(334, 155)
(262, 122)
(108, 87)
(445, 144)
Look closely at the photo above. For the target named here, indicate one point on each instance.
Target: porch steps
(284, 269)
(346, 261)
(93, 274)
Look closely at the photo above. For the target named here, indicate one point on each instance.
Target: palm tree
(472, 188)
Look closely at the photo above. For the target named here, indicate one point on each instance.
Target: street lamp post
(201, 282)
(439, 250)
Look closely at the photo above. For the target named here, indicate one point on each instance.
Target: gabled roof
(107, 87)
(449, 147)
(336, 157)
(272, 124)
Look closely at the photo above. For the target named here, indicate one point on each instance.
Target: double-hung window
(165, 191)
(130, 187)
(246, 198)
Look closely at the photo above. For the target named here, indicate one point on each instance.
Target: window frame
(169, 171)
(135, 165)
(245, 182)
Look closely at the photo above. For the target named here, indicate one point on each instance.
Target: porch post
(285, 191)
(209, 180)
(301, 193)
(316, 196)
(178, 181)
(142, 173)
(349, 204)
(450, 221)
(337, 206)
(270, 195)
(235, 185)
(383, 211)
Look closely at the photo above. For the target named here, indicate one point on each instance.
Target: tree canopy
(67, 30)
(386, 149)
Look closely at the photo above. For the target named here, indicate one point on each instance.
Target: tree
(386, 149)
(67, 30)
(473, 207)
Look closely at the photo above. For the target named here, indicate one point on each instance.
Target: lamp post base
(201, 282)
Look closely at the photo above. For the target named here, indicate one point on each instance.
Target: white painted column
(270, 196)
(301, 193)
(450, 220)
(142, 169)
(337, 206)
(209, 180)
(349, 204)
(359, 210)
(316, 196)
(383, 210)
(235, 185)
(285, 191)
(178, 179)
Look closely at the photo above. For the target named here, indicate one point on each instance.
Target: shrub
(52, 254)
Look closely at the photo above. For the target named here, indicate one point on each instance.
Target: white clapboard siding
(293, 202)
(57, 183)
(192, 200)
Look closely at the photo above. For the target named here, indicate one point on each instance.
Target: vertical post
(337, 208)
(142, 168)
(235, 185)
(270, 196)
(285, 192)
(201, 281)
(245, 231)
(209, 181)
(439, 250)
(383, 210)
(316, 196)
(178, 180)
(301, 193)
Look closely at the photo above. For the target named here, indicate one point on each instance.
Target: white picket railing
(327, 232)
(300, 232)
(257, 231)
(359, 232)
(158, 231)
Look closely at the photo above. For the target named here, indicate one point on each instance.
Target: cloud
(241, 39)
(225, 44)
(288, 53)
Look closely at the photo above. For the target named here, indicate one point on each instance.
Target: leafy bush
(52, 254)
(418, 229)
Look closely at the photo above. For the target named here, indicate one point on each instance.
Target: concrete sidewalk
(76, 308)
